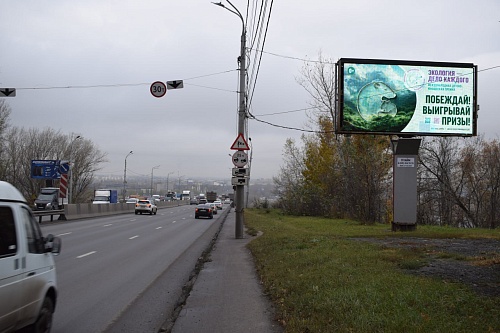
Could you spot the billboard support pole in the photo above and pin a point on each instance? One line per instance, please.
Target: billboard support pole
(404, 196)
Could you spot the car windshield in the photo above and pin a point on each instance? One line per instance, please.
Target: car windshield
(45, 196)
(144, 201)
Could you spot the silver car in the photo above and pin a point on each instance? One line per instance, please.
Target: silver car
(218, 203)
(132, 201)
(213, 206)
(146, 206)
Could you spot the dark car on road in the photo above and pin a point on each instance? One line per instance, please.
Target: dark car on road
(203, 210)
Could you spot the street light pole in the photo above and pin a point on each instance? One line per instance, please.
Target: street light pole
(70, 173)
(155, 167)
(168, 174)
(179, 183)
(240, 189)
(125, 176)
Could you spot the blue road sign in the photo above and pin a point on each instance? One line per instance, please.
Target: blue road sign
(45, 169)
(64, 167)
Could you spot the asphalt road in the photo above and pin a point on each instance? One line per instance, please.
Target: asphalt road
(124, 273)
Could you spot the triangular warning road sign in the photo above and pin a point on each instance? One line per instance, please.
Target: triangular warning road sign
(240, 143)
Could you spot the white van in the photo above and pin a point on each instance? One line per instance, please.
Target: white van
(27, 272)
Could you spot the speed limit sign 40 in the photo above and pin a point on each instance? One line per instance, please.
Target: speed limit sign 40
(158, 89)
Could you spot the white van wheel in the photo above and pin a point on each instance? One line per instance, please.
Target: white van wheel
(43, 323)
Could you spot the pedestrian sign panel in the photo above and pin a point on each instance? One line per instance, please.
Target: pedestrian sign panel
(240, 143)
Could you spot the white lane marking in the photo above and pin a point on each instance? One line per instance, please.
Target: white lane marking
(133, 237)
(183, 218)
(107, 225)
(159, 228)
(86, 254)
(174, 221)
(66, 233)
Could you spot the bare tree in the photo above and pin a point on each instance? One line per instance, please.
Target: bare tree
(480, 162)
(346, 176)
(5, 111)
(11, 145)
(491, 161)
(4, 122)
(459, 183)
(440, 159)
(289, 182)
(21, 146)
(318, 79)
(87, 159)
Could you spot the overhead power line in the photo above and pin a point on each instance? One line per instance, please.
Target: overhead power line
(294, 58)
(118, 85)
(260, 58)
(254, 117)
(291, 128)
(283, 112)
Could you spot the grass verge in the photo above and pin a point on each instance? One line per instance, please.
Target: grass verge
(320, 280)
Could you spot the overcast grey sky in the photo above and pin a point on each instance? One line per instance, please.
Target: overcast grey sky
(188, 132)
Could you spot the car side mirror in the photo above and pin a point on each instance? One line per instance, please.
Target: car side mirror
(53, 244)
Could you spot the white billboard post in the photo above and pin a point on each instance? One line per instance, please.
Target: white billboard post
(404, 198)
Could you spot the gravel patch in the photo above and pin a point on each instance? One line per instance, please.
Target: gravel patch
(473, 262)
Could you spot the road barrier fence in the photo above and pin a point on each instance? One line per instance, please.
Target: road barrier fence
(87, 210)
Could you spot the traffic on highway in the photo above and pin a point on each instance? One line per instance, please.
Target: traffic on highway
(110, 265)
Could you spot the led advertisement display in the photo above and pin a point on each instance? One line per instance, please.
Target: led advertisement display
(413, 98)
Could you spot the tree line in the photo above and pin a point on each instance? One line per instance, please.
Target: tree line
(340, 176)
(19, 146)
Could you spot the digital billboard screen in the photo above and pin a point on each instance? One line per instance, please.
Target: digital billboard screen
(395, 97)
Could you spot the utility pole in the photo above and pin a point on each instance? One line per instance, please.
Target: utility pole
(168, 189)
(155, 167)
(240, 189)
(125, 176)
